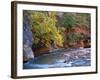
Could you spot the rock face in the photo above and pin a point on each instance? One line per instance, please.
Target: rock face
(27, 40)
(85, 40)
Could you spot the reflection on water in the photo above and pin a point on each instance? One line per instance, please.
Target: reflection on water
(61, 58)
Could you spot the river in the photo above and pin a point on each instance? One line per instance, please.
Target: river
(61, 58)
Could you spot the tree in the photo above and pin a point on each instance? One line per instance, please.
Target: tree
(83, 20)
(68, 21)
(44, 29)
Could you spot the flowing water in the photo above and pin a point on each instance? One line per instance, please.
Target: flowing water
(61, 58)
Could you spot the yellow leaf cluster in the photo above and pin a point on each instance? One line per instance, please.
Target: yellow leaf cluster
(44, 28)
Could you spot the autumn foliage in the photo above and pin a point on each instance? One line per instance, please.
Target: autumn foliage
(58, 29)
